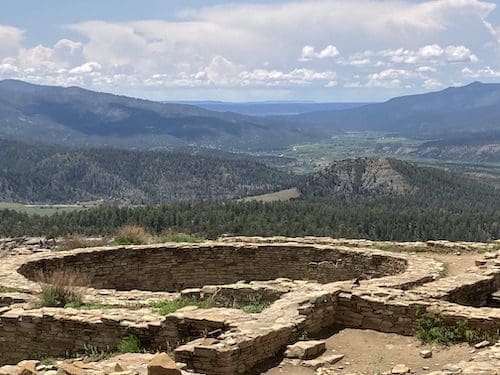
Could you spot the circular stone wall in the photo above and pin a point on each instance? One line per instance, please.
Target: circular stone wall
(176, 267)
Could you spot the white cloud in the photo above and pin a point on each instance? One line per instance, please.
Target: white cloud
(246, 45)
(426, 69)
(309, 53)
(486, 72)
(432, 84)
(430, 51)
(433, 53)
(460, 54)
(389, 78)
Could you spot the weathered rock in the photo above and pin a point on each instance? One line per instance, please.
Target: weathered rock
(482, 344)
(162, 364)
(28, 367)
(306, 349)
(400, 369)
(9, 370)
(426, 353)
(69, 369)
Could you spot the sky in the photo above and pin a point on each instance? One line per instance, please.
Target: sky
(321, 50)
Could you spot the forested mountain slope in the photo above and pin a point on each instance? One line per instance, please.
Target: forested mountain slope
(76, 117)
(50, 174)
(382, 178)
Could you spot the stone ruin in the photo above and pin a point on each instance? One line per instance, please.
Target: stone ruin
(308, 283)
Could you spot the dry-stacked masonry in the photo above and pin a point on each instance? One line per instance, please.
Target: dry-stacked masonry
(309, 284)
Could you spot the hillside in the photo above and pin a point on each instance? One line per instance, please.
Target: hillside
(76, 117)
(382, 178)
(49, 174)
(470, 110)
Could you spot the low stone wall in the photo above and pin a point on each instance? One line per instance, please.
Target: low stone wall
(394, 289)
(173, 268)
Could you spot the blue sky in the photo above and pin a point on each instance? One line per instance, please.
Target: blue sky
(324, 50)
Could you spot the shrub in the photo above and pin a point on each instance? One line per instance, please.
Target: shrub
(431, 329)
(130, 344)
(166, 307)
(61, 289)
(132, 235)
(174, 236)
(253, 306)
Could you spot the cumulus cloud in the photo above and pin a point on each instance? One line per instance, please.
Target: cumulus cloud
(430, 54)
(309, 53)
(432, 84)
(389, 78)
(287, 44)
(486, 72)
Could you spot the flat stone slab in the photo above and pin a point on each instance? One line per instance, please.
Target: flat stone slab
(306, 349)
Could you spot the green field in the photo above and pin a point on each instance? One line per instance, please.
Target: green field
(46, 210)
(279, 196)
(312, 156)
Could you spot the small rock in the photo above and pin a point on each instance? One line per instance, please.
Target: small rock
(162, 364)
(426, 368)
(400, 369)
(452, 369)
(482, 344)
(426, 354)
(69, 369)
(306, 349)
(119, 368)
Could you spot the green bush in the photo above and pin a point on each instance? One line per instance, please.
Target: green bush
(165, 307)
(170, 236)
(432, 329)
(130, 344)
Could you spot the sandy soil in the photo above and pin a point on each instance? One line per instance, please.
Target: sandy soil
(457, 264)
(371, 352)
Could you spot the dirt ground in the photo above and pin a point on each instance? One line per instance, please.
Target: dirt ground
(457, 264)
(371, 352)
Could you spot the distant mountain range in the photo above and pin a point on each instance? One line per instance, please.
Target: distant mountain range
(470, 110)
(31, 173)
(76, 117)
(271, 108)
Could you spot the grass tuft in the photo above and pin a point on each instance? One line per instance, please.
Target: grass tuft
(174, 236)
(132, 235)
(8, 289)
(165, 307)
(61, 289)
